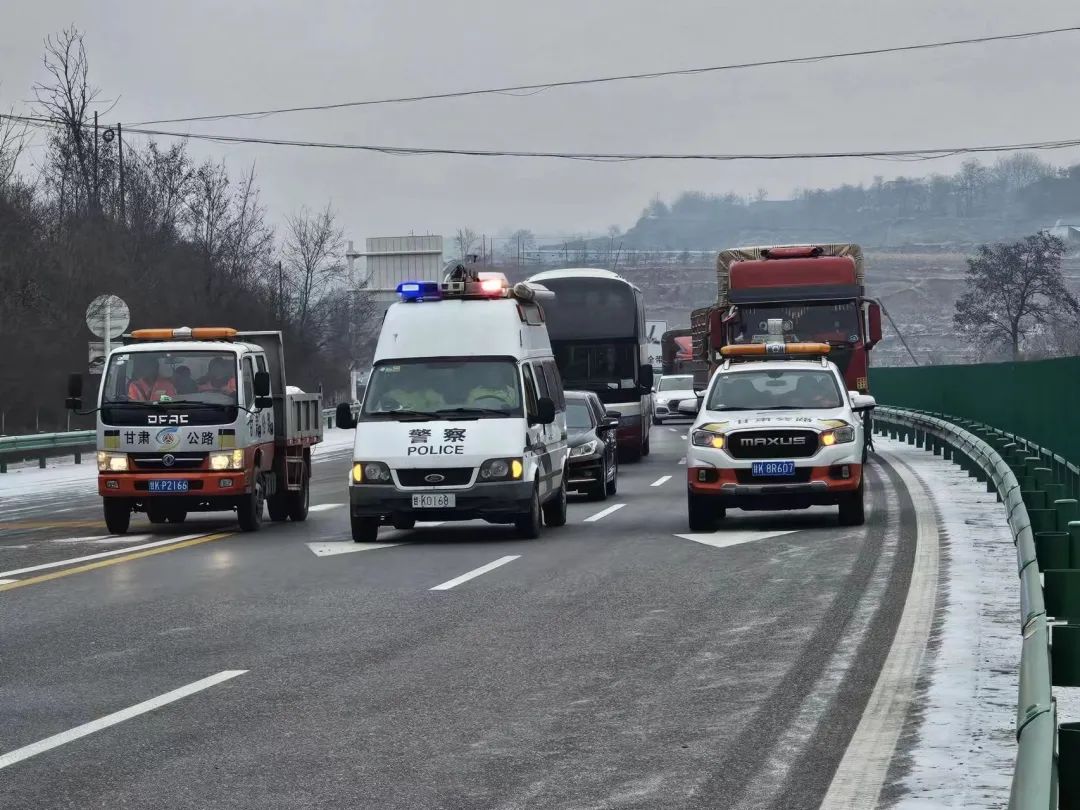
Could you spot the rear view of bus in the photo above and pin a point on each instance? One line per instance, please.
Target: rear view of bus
(597, 329)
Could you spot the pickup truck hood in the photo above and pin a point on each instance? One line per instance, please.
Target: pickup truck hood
(815, 419)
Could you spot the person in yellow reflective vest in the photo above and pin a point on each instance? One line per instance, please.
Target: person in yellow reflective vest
(492, 390)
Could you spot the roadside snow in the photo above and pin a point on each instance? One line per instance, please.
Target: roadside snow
(960, 746)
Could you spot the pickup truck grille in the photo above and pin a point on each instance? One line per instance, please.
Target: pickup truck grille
(764, 444)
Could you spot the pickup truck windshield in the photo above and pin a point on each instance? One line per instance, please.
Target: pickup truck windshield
(774, 390)
(473, 388)
(204, 377)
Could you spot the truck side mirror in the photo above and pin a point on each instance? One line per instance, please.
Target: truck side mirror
(646, 377)
(74, 391)
(343, 416)
(545, 411)
(873, 324)
(262, 383)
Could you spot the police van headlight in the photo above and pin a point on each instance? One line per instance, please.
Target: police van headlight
(586, 449)
(840, 435)
(370, 472)
(707, 438)
(112, 462)
(501, 469)
(228, 460)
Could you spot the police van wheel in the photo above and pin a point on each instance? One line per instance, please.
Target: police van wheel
(555, 508)
(249, 511)
(702, 513)
(364, 529)
(852, 510)
(404, 523)
(299, 501)
(117, 515)
(527, 524)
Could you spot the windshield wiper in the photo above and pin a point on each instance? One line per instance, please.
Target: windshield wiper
(733, 408)
(473, 411)
(404, 412)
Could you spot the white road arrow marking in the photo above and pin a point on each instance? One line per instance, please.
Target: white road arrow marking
(733, 538)
(332, 549)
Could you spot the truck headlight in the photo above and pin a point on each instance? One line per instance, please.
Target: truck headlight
(370, 472)
(840, 435)
(586, 449)
(707, 438)
(227, 460)
(501, 469)
(112, 462)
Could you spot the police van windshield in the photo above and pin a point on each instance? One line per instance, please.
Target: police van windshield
(473, 388)
(205, 377)
(774, 389)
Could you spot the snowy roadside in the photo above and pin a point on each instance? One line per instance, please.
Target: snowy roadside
(958, 749)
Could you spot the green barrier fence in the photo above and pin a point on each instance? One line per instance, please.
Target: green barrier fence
(1032, 399)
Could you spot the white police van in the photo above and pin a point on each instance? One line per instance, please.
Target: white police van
(464, 416)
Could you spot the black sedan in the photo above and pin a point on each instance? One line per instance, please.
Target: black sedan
(594, 460)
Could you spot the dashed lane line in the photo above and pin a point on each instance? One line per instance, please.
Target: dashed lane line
(603, 513)
(659, 482)
(325, 507)
(483, 569)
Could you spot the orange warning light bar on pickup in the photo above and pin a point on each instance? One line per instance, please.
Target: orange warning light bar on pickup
(765, 349)
(186, 333)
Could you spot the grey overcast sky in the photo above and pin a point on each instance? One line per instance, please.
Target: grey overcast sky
(169, 59)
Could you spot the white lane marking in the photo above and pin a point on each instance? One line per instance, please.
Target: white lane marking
(682, 460)
(325, 507)
(13, 548)
(861, 773)
(332, 549)
(603, 513)
(429, 524)
(6, 581)
(483, 569)
(659, 482)
(683, 436)
(104, 538)
(674, 430)
(64, 737)
(100, 555)
(732, 538)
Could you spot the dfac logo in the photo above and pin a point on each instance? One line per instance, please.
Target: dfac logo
(167, 419)
(167, 437)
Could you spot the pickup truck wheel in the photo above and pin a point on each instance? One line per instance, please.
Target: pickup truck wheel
(299, 501)
(852, 509)
(555, 508)
(702, 513)
(249, 511)
(117, 515)
(364, 529)
(527, 524)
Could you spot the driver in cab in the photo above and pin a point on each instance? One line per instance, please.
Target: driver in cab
(490, 391)
(147, 384)
(220, 378)
(411, 393)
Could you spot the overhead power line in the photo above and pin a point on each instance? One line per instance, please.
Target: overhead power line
(925, 153)
(530, 89)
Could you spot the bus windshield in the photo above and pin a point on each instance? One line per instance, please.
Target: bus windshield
(607, 368)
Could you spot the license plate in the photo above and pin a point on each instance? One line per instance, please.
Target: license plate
(168, 485)
(773, 468)
(434, 501)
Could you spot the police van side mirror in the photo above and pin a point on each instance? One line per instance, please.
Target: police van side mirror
(343, 416)
(74, 391)
(545, 411)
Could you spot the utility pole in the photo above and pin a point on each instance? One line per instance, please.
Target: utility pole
(120, 156)
(280, 294)
(97, 175)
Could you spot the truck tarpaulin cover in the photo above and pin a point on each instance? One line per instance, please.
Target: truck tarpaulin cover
(726, 258)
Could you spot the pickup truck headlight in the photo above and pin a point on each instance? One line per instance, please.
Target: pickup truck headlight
(840, 435)
(370, 472)
(707, 438)
(227, 460)
(112, 462)
(586, 449)
(501, 469)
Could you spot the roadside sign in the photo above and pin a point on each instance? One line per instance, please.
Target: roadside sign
(108, 316)
(654, 330)
(96, 356)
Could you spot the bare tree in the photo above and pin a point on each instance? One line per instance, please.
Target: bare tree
(1014, 290)
(465, 240)
(12, 143)
(311, 257)
(207, 217)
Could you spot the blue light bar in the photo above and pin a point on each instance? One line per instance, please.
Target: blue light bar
(418, 290)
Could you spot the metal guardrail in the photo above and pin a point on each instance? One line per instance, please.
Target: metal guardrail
(1011, 467)
(43, 446)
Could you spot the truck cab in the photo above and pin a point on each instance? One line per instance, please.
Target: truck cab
(200, 420)
(777, 429)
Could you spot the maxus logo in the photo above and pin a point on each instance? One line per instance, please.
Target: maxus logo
(774, 441)
(167, 419)
(168, 437)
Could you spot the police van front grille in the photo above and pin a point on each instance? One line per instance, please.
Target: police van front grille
(773, 444)
(450, 476)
